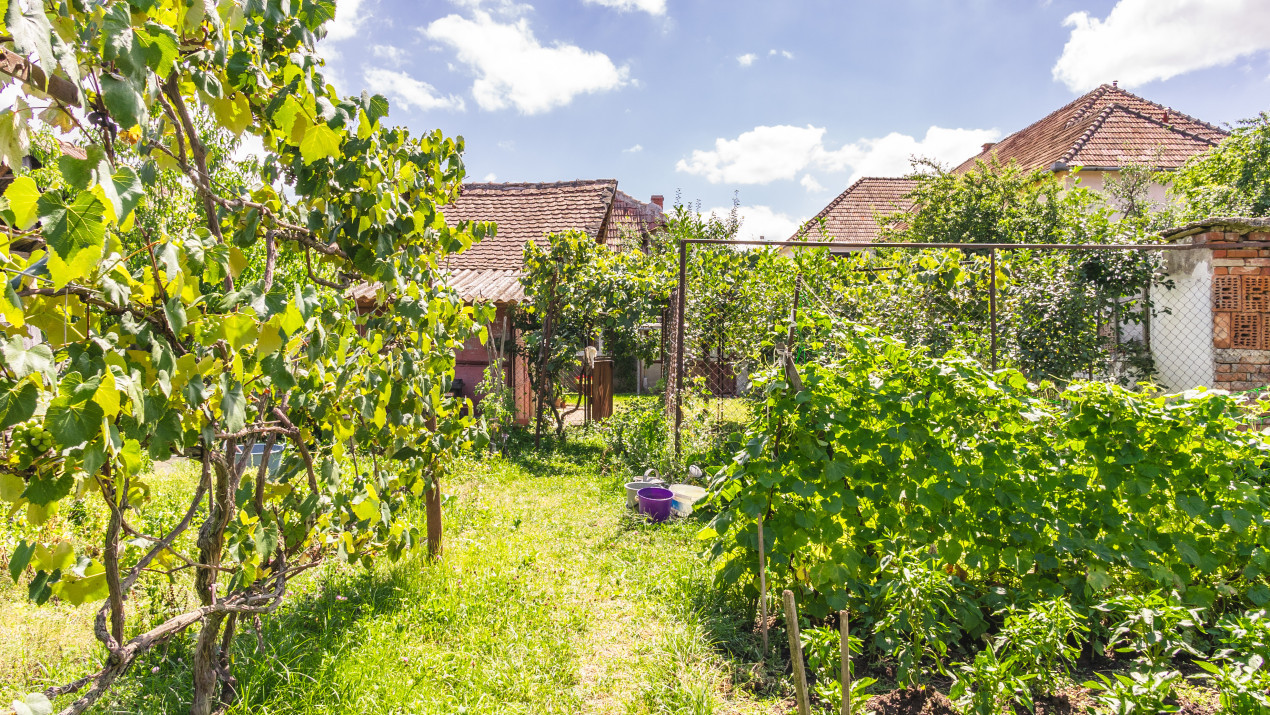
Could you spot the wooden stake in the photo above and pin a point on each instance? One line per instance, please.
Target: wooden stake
(796, 654)
(762, 586)
(846, 662)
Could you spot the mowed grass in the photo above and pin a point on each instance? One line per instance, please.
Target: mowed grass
(550, 598)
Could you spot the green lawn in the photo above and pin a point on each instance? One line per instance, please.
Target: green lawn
(551, 598)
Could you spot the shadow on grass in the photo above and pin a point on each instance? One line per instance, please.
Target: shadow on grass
(299, 642)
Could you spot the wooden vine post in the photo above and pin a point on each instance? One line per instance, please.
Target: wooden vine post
(845, 630)
(762, 586)
(796, 654)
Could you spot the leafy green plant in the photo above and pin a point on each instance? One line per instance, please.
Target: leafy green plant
(1138, 693)
(991, 685)
(131, 334)
(823, 650)
(918, 621)
(1242, 686)
(1232, 179)
(1245, 634)
(1155, 626)
(1011, 483)
(1045, 638)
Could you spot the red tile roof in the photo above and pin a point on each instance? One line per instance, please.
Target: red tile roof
(490, 270)
(853, 215)
(526, 212)
(1106, 128)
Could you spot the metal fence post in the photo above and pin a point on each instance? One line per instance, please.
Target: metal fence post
(992, 302)
(679, 345)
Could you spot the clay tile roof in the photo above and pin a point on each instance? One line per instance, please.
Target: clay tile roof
(1106, 128)
(852, 216)
(525, 212)
(492, 284)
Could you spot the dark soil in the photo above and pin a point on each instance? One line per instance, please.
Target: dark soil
(912, 701)
(1065, 702)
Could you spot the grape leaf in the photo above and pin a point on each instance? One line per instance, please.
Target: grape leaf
(23, 195)
(31, 31)
(23, 361)
(320, 142)
(123, 100)
(17, 403)
(73, 421)
(75, 232)
(43, 489)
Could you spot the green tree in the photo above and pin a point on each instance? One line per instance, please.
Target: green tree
(998, 203)
(1231, 180)
(575, 292)
(132, 330)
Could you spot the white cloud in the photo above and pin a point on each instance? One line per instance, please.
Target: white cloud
(652, 7)
(759, 156)
(783, 53)
(394, 56)
(759, 222)
(514, 69)
(634, 150)
(491, 178)
(809, 182)
(350, 15)
(767, 154)
(408, 91)
(746, 59)
(1145, 40)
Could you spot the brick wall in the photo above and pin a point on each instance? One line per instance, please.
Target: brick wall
(1241, 310)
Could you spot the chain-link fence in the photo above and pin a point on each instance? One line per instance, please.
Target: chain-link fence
(1172, 316)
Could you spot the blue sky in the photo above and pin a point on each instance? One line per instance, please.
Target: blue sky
(784, 103)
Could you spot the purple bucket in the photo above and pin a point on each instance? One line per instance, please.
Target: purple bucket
(655, 502)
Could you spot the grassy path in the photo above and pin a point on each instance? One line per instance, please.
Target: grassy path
(550, 599)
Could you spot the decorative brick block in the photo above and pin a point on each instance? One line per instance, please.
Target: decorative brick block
(1245, 330)
(1256, 293)
(1226, 293)
(1221, 330)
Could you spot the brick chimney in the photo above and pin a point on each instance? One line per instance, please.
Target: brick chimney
(659, 201)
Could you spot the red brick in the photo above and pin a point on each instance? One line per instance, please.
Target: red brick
(1241, 253)
(1234, 237)
(1211, 237)
(1237, 376)
(1258, 236)
(1219, 253)
(1223, 367)
(1220, 271)
(1245, 271)
(1257, 262)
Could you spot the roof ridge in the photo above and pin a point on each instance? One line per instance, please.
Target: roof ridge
(573, 183)
(1171, 110)
(1094, 125)
(1091, 98)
